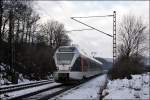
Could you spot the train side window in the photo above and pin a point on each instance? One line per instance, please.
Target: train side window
(91, 66)
(77, 64)
(85, 64)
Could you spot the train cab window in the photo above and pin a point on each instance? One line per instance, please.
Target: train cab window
(77, 64)
(64, 58)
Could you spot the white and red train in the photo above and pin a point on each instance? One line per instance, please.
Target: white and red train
(72, 64)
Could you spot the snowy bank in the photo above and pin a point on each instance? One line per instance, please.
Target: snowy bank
(136, 88)
(5, 77)
(89, 90)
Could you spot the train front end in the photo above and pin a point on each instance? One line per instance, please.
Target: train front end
(64, 58)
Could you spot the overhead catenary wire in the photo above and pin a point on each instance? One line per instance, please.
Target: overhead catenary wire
(79, 30)
(94, 16)
(91, 27)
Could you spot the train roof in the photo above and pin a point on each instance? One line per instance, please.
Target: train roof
(81, 51)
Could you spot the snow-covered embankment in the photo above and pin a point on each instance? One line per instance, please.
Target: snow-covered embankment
(135, 88)
(88, 90)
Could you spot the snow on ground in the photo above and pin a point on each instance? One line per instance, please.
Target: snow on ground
(89, 90)
(136, 88)
(4, 77)
(4, 82)
(22, 83)
(26, 91)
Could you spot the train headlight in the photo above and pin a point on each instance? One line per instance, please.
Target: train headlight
(69, 68)
(57, 68)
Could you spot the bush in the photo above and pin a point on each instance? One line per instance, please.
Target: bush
(126, 66)
(36, 59)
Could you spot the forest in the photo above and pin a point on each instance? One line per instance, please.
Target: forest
(26, 45)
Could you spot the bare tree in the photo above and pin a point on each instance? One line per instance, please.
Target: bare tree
(21, 39)
(132, 36)
(1, 16)
(56, 34)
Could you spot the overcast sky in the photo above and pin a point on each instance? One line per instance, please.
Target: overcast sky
(91, 41)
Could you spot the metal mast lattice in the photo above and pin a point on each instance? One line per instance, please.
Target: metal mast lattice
(114, 37)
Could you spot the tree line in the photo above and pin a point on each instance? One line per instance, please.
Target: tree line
(26, 45)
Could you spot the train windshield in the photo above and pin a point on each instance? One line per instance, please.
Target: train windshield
(64, 58)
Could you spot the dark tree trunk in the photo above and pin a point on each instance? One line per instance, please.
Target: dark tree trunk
(1, 16)
(10, 37)
(17, 32)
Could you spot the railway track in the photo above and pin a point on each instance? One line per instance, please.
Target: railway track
(50, 91)
(54, 92)
(21, 94)
(23, 86)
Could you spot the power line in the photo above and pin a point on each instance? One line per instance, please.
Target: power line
(94, 16)
(91, 27)
(79, 30)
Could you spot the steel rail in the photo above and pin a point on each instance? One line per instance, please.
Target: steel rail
(56, 95)
(36, 95)
(24, 96)
(23, 86)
